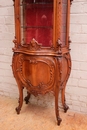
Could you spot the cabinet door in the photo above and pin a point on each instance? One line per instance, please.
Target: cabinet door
(38, 21)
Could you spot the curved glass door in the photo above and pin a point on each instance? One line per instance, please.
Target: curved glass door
(38, 21)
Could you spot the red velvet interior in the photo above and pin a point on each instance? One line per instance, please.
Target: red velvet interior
(39, 22)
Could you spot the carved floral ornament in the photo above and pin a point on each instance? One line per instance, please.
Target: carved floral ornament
(34, 45)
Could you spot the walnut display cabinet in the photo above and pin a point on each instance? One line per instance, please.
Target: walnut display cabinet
(41, 54)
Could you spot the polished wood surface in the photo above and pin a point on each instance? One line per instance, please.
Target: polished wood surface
(42, 69)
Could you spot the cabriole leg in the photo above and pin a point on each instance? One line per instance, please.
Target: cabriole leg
(18, 109)
(68, 59)
(56, 106)
(64, 100)
(27, 98)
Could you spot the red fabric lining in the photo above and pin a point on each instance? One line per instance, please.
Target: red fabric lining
(39, 20)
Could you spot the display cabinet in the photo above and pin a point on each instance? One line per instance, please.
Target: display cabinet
(41, 54)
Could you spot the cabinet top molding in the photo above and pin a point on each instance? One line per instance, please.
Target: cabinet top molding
(70, 1)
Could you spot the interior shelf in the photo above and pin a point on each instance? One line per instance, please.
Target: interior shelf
(40, 3)
(45, 27)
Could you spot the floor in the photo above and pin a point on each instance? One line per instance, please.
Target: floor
(34, 117)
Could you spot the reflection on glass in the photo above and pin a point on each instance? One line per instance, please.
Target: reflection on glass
(38, 21)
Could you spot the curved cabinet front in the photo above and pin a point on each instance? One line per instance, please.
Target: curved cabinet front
(37, 73)
(40, 74)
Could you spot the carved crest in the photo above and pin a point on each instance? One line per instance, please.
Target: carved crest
(34, 45)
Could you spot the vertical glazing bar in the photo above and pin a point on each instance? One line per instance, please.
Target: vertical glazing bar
(58, 20)
(17, 22)
(24, 21)
(54, 23)
(68, 23)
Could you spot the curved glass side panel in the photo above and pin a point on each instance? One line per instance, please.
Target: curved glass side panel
(64, 22)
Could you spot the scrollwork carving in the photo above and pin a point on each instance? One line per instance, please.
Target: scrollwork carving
(60, 70)
(41, 87)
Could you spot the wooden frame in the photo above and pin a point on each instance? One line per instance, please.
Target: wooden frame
(42, 69)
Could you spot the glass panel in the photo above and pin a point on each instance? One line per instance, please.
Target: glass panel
(64, 22)
(38, 21)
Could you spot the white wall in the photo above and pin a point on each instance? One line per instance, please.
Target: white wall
(7, 82)
(77, 86)
(76, 90)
